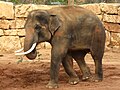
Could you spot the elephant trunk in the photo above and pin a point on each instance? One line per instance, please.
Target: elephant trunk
(30, 45)
(30, 52)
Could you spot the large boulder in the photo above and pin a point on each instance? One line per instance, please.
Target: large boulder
(11, 32)
(4, 24)
(93, 7)
(23, 10)
(111, 18)
(6, 10)
(20, 22)
(20, 32)
(112, 27)
(9, 44)
(115, 39)
(110, 8)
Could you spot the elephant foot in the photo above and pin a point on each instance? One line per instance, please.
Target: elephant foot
(86, 77)
(52, 85)
(98, 79)
(74, 81)
(95, 79)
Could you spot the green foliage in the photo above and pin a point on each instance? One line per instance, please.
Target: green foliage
(26, 1)
(57, 1)
(15, 1)
(62, 2)
(38, 1)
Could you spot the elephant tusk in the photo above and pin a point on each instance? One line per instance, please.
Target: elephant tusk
(19, 50)
(27, 52)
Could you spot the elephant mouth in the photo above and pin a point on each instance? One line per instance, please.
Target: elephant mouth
(31, 53)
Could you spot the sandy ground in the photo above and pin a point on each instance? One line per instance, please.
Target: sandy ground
(34, 75)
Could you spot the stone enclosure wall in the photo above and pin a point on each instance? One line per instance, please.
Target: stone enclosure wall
(12, 20)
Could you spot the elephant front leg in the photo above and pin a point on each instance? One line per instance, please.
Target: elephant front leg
(56, 57)
(68, 66)
(54, 70)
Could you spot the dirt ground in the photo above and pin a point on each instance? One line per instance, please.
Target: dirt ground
(34, 75)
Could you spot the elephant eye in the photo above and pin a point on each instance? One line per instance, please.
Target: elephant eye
(37, 27)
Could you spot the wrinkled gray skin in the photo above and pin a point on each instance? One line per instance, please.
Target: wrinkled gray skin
(73, 32)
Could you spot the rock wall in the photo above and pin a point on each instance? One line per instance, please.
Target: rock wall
(12, 20)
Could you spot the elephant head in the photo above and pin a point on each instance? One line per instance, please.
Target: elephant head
(39, 27)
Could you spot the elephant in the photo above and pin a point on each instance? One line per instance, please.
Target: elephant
(72, 31)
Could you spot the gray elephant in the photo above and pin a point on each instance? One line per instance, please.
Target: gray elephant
(72, 32)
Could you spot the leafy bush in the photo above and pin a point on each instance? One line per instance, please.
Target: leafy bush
(62, 2)
(38, 1)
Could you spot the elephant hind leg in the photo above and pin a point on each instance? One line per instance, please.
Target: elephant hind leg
(68, 66)
(98, 67)
(97, 55)
(97, 51)
(79, 58)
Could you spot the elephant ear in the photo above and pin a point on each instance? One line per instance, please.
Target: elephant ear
(54, 23)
